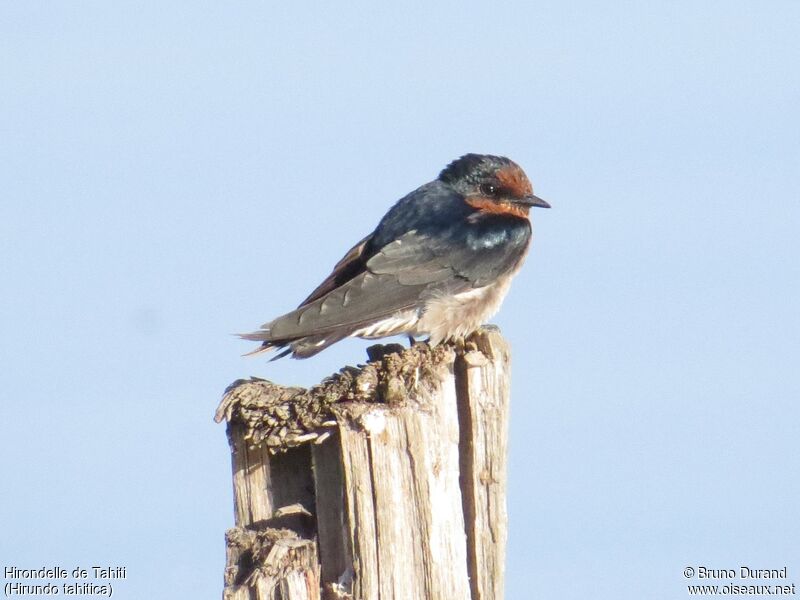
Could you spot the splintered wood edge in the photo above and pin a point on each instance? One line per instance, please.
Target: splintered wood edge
(273, 554)
(281, 417)
(483, 381)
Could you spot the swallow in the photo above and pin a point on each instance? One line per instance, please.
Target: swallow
(439, 264)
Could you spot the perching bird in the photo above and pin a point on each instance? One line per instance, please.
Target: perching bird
(439, 264)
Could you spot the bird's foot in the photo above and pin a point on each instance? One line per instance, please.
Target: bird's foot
(459, 344)
(378, 351)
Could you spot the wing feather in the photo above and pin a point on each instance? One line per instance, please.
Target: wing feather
(348, 267)
(401, 276)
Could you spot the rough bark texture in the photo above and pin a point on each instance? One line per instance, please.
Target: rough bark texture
(386, 481)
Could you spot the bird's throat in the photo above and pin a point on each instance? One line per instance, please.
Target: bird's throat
(498, 207)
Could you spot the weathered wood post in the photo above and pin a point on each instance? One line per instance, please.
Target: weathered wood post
(385, 482)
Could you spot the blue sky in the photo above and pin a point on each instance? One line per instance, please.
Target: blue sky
(175, 172)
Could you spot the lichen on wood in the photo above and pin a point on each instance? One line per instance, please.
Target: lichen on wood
(283, 417)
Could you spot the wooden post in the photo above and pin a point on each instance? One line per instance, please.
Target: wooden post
(386, 481)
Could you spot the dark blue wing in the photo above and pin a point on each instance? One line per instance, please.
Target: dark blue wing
(430, 243)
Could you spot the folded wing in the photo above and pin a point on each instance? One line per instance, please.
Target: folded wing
(366, 289)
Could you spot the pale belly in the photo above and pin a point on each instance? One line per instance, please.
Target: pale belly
(444, 317)
(459, 315)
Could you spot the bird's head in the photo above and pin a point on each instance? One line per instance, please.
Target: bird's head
(492, 184)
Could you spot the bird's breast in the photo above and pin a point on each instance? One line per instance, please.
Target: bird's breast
(458, 315)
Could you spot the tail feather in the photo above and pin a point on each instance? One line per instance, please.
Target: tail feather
(281, 354)
(298, 347)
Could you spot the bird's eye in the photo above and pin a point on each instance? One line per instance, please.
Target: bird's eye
(489, 189)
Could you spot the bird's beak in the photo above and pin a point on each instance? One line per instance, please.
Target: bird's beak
(531, 200)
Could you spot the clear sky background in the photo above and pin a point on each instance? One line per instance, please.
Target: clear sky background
(175, 172)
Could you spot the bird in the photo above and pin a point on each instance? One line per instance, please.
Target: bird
(438, 264)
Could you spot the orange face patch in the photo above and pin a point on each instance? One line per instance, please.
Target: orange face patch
(502, 207)
(513, 179)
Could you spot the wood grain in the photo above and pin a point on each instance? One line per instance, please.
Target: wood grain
(386, 481)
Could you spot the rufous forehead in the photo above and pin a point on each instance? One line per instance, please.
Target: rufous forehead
(514, 180)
